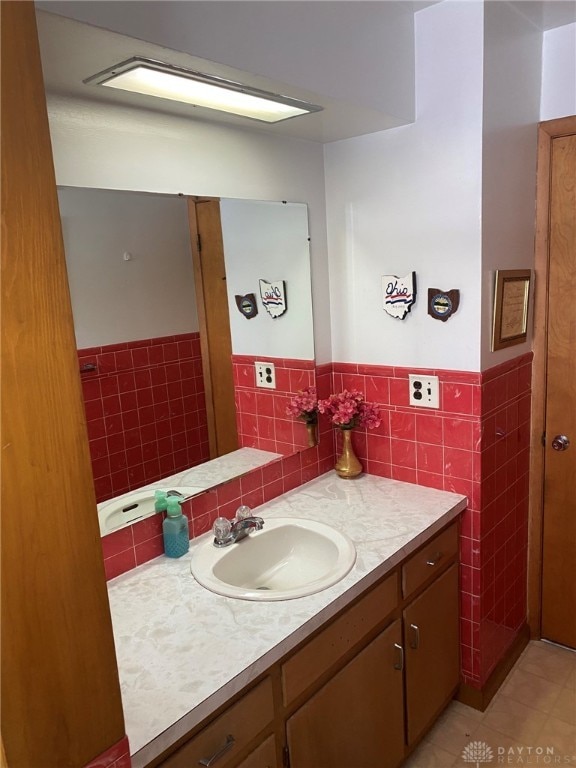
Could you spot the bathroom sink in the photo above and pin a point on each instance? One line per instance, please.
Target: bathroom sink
(132, 506)
(288, 558)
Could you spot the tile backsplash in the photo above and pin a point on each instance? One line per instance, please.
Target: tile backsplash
(261, 413)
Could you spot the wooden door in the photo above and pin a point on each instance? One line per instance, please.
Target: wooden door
(356, 719)
(431, 643)
(60, 692)
(213, 317)
(559, 518)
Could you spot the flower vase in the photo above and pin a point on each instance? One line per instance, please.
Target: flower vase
(311, 428)
(348, 465)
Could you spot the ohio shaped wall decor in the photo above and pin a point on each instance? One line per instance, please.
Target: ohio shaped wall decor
(442, 304)
(399, 294)
(273, 297)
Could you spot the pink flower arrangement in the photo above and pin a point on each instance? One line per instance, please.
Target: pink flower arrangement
(304, 405)
(349, 409)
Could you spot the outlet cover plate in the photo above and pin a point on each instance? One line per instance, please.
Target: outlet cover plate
(424, 391)
(265, 375)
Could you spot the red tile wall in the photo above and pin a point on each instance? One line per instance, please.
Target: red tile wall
(117, 756)
(503, 518)
(477, 443)
(145, 410)
(261, 413)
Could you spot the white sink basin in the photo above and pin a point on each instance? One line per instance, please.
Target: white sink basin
(288, 558)
(134, 505)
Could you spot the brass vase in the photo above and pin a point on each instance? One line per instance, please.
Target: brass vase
(348, 465)
(312, 438)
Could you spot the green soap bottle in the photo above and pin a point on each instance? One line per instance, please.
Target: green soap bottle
(175, 530)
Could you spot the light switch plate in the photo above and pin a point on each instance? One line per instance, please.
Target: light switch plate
(265, 375)
(424, 391)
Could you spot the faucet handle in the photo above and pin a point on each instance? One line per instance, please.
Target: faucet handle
(243, 512)
(221, 529)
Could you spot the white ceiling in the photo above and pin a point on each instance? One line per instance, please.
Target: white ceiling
(355, 58)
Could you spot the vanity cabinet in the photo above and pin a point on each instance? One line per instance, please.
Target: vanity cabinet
(355, 719)
(431, 630)
(220, 743)
(431, 641)
(362, 690)
(373, 711)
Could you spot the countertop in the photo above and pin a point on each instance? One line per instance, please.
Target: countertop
(183, 651)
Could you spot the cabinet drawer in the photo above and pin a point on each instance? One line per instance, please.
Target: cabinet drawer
(308, 664)
(235, 727)
(429, 560)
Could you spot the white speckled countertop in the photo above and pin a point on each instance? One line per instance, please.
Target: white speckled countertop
(183, 651)
(220, 470)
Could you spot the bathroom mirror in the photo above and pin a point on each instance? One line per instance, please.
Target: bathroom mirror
(132, 277)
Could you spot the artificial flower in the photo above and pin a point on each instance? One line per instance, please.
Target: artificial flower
(349, 409)
(304, 405)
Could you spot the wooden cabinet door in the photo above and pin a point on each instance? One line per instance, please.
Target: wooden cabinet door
(263, 756)
(356, 719)
(431, 646)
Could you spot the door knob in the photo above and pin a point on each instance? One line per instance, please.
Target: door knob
(560, 443)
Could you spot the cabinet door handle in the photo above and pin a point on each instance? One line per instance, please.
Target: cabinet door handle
(208, 761)
(399, 663)
(435, 559)
(415, 640)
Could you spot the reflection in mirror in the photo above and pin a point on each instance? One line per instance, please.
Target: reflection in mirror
(140, 335)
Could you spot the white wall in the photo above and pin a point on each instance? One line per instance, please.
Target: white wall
(268, 241)
(410, 199)
(559, 73)
(121, 148)
(512, 75)
(114, 300)
(403, 199)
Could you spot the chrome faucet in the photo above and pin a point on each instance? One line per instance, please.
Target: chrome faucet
(228, 532)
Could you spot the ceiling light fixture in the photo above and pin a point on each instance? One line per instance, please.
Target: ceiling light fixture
(153, 78)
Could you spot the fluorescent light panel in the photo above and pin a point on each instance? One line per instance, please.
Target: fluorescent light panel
(153, 78)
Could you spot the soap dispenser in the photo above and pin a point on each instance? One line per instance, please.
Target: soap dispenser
(175, 530)
(160, 501)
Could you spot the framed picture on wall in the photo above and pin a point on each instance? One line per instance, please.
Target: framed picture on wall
(511, 293)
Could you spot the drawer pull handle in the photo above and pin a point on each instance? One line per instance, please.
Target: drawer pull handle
(415, 640)
(208, 761)
(399, 663)
(435, 559)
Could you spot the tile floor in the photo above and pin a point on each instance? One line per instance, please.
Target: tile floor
(530, 722)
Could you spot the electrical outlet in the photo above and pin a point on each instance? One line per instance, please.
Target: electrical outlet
(265, 375)
(424, 391)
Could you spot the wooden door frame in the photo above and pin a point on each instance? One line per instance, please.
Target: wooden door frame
(60, 689)
(547, 132)
(220, 419)
(200, 305)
